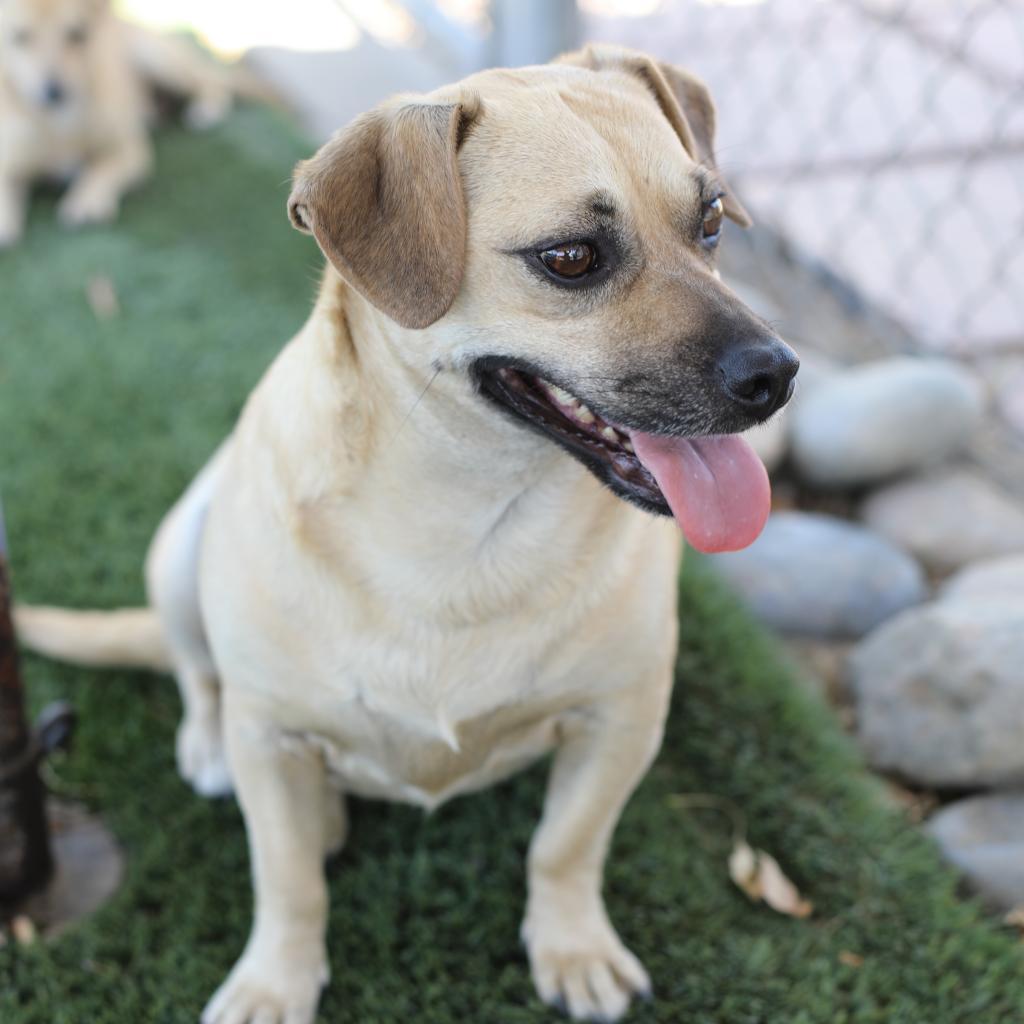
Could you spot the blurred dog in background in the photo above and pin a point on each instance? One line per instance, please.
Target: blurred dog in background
(77, 91)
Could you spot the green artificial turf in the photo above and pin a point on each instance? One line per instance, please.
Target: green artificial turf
(101, 425)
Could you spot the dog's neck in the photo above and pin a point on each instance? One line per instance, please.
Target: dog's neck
(414, 406)
(422, 473)
(425, 415)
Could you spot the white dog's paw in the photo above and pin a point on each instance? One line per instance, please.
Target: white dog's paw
(281, 989)
(87, 205)
(201, 759)
(579, 964)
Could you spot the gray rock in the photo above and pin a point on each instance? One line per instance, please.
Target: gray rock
(1011, 403)
(1004, 375)
(994, 578)
(984, 837)
(814, 575)
(939, 693)
(948, 518)
(880, 419)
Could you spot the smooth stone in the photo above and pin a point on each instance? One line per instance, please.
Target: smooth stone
(984, 837)
(1011, 401)
(1004, 376)
(948, 518)
(940, 693)
(993, 578)
(814, 575)
(884, 418)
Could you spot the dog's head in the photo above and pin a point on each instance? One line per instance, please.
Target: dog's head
(556, 229)
(45, 48)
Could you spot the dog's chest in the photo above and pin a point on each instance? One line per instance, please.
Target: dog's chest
(422, 718)
(420, 710)
(423, 665)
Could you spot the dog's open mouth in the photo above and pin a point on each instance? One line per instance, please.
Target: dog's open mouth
(716, 487)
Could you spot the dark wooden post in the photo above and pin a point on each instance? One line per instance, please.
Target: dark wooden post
(26, 862)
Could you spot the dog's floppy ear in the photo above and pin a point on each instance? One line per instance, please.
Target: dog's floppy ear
(684, 99)
(384, 200)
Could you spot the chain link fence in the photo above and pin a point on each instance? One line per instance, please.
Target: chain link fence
(881, 141)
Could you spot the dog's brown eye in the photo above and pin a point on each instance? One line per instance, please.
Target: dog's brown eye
(76, 35)
(713, 214)
(570, 260)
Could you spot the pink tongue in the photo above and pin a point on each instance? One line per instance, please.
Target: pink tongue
(717, 487)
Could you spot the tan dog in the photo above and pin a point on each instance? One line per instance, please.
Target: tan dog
(75, 101)
(410, 571)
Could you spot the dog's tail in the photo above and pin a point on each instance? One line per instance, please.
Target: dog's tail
(124, 638)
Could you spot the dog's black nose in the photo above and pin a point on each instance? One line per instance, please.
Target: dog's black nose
(759, 376)
(54, 93)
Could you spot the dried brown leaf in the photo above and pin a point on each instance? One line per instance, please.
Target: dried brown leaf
(743, 869)
(851, 959)
(777, 890)
(1015, 917)
(758, 874)
(23, 929)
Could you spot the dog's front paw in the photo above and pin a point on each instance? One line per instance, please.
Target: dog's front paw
(200, 753)
(87, 205)
(579, 964)
(270, 988)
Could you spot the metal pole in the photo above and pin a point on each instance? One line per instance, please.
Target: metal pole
(26, 861)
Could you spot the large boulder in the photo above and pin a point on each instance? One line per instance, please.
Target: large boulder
(1001, 578)
(880, 419)
(939, 693)
(1010, 395)
(948, 518)
(815, 575)
(984, 837)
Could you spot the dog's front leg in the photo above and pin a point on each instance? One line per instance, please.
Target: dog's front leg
(283, 789)
(576, 958)
(13, 208)
(95, 195)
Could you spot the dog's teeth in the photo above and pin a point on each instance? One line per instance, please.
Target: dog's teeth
(628, 445)
(560, 396)
(609, 434)
(583, 414)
